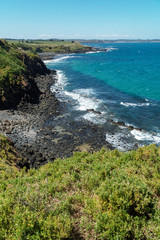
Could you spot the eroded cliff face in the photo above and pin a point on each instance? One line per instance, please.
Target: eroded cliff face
(34, 65)
(18, 70)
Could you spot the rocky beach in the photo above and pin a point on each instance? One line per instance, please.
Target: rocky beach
(45, 130)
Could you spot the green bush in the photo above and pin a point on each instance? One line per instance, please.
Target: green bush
(105, 195)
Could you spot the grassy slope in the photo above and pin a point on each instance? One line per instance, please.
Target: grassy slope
(105, 195)
(49, 46)
(12, 69)
(17, 68)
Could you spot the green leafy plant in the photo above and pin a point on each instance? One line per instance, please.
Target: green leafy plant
(105, 195)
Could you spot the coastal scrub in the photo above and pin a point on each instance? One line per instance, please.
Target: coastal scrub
(104, 195)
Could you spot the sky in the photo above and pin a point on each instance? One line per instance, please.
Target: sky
(80, 19)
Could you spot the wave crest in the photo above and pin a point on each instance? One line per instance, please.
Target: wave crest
(57, 59)
(127, 104)
(145, 136)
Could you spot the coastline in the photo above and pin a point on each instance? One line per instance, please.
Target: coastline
(44, 131)
(49, 128)
(52, 55)
(46, 56)
(123, 131)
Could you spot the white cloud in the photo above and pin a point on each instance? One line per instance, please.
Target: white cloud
(114, 36)
(45, 35)
(83, 36)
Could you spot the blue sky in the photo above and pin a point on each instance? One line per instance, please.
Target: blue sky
(89, 19)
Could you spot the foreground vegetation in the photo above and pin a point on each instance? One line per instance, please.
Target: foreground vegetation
(105, 195)
(40, 46)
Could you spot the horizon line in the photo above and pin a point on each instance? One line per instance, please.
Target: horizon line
(82, 39)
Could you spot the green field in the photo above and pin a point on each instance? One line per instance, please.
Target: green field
(105, 195)
(40, 46)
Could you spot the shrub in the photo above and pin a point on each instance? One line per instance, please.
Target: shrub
(105, 195)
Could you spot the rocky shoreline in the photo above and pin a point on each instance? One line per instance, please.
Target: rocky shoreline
(45, 130)
(42, 128)
(52, 55)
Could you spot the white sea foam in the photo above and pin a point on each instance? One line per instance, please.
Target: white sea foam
(107, 50)
(111, 49)
(61, 82)
(94, 118)
(48, 61)
(145, 136)
(91, 52)
(84, 97)
(84, 100)
(62, 58)
(117, 140)
(87, 92)
(127, 104)
(57, 59)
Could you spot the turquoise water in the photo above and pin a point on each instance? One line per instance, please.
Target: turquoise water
(132, 68)
(122, 83)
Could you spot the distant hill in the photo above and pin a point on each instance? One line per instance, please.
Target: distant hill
(120, 41)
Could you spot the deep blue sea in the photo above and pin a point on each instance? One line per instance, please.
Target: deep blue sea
(122, 83)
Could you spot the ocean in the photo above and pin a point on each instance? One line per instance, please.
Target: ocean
(121, 85)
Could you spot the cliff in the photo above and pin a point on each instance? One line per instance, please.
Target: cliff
(17, 72)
